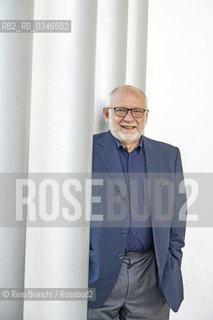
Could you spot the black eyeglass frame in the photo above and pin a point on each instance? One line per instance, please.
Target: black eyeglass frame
(127, 110)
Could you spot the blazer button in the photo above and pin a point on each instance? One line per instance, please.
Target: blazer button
(121, 256)
(124, 233)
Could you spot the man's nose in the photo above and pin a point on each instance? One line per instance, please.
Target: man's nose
(128, 116)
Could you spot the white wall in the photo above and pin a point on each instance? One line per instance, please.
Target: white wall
(180, 96)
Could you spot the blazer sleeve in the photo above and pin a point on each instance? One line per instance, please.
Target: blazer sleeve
(178, 225)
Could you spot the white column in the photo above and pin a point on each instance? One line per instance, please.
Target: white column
(61, 141)
(137, 43)
(15, 85)
(110, 53)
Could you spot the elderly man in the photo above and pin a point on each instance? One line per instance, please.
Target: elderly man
(135, 261)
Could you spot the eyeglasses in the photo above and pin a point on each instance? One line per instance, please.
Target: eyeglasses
(122, 112)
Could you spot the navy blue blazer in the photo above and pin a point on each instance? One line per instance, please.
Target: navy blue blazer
(107, 242)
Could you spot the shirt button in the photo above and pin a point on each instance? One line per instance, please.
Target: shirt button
(124, 233)
(120, 255)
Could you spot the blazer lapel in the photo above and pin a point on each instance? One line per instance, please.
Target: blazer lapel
(151, 155)
(109, 155)
(152, 168)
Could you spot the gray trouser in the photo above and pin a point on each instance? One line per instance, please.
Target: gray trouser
(136, 295)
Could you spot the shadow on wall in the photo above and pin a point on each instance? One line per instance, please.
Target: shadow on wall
(99, 123)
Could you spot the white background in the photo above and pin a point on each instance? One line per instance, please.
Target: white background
(180, 95)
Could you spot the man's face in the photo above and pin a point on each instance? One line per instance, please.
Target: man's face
(128, 128)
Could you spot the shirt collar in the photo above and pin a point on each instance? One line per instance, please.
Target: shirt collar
(138, 148)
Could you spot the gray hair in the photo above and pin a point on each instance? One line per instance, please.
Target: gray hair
(127, 87)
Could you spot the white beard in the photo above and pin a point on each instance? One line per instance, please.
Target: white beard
(122, 137)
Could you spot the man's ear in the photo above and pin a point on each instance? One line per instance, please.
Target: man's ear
(106, 114)
(147, 115)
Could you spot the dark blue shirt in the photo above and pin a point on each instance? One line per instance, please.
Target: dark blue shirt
(139, 236)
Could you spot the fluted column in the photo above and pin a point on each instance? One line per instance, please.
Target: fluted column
(61, 141)
(111, 53)
(137, 43)
(15, 86)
